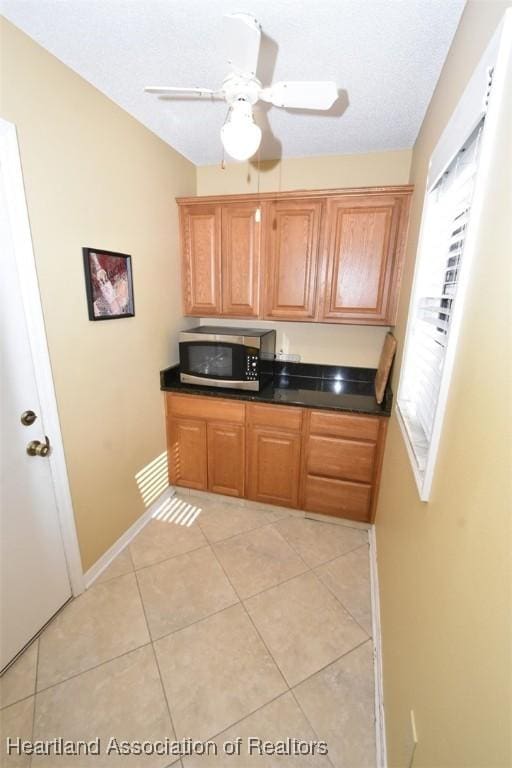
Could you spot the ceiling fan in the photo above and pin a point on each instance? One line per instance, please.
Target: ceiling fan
(241, 89)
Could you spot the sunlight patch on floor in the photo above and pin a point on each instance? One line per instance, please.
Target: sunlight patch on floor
(177, 511)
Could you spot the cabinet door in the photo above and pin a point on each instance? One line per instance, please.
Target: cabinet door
(292, 267)
(186, 450)
(362, 268)
(226, 458)
(241, 251)
(273, 466)
(200, 235)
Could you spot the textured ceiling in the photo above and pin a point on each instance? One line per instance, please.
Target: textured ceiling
(385, 56)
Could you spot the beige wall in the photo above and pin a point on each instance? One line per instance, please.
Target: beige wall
(324, 172)
(444, 567)
(320, 342)
(315, 342)
(96, 177)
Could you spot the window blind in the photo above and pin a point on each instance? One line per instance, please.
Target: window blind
(446, 223)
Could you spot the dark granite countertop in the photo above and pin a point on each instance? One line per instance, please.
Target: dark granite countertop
(329, 387)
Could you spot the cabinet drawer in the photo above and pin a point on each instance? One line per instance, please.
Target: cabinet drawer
(344, 425)
(278, 416)
(341, 459)
(337, 497)
(209, 408)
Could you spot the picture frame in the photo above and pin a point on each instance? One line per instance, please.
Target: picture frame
(108, 284)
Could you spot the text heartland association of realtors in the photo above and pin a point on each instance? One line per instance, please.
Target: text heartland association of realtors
(252, 745)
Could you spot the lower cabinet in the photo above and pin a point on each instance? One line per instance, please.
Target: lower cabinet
(226, 458)
(320, 461)
(274, 466)
(340, 498)
(341, 464)
(186, 441)
(206, 443)
(274, 441)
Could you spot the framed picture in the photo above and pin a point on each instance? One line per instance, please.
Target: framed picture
(108, 284)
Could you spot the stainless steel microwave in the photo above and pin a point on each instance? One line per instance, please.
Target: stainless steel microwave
(219, 356)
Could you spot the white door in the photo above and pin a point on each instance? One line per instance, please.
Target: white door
(34, 579)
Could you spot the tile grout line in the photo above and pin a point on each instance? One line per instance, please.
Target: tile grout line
(166, 559)
(342, 604)
(197, 621)
(89, 669)
(309, 569)
(209, 542)
(240, 600)
(243, 503)
(166, 700)
(127, 549)
(245, 717)
(152, 641)
(23, 698)
(240, 533)
(289, 687)
(278, 584)
(308, 721)
(164, 692)
(32, 732)
(253, 624)
(212, 544)
(330, 663)
(330, 560)
(18, 701)
(293, 689)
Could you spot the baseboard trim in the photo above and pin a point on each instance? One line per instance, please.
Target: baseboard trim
(99, 566)
(380, 723)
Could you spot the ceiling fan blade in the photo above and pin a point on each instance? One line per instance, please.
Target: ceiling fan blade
(242, 42)
(301, 95)
(171, 91)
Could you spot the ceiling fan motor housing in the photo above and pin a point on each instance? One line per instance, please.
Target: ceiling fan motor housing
(239, 88)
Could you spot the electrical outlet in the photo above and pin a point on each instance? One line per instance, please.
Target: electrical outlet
(287, 358)
(412, 741)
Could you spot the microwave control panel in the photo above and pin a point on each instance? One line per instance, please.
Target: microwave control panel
(251, 368)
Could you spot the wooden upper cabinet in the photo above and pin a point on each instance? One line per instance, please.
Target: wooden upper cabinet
(363, 258)
(292, 259)
(200, 237)
(330, 256)
(241, 253)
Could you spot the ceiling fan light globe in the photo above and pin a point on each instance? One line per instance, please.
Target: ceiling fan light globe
(240, 139)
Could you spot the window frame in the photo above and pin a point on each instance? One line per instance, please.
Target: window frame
(476, 102)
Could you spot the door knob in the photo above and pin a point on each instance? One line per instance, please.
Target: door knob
(36, 448)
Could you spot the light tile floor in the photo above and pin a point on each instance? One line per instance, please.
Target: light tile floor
(252, 622)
